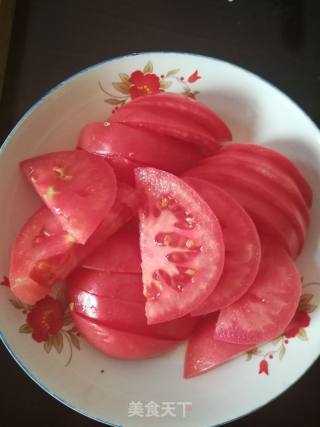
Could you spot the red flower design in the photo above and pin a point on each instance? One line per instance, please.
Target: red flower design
(5, 282)
(264, 367)
(194, 77)
(143, 84)
(46, 318)
(301, 320)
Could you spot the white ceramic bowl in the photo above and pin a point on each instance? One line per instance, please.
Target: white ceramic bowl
(110, 390)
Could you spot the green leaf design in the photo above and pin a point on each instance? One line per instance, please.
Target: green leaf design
(172, 72)
(310, 308)
(17, 304)
(302, 334)
(282, 351)
(304, 301)
(248, 356)
(72, 330)
(75, 340)
(121, 87)
(124, 77)
(57, 342)
(48, 344)
(113, 101)
(277, 340)
(25, 329)
(164, 84)
(67, 319)
(148, 68)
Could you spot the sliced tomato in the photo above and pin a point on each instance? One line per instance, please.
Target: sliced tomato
(190, 108)
(266, 157)
(242, 247)
(267, 217)
(44, 253)
(271, 175)
(118, 254)
(265, 311)
(78, 187)
(181, 245)
(118, 302)
(270, 185)
(142, 145)
(205, 352)
(183, 123)
(121, 344)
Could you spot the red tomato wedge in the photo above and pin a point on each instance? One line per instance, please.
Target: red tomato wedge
(190, 108)
(270, 174)
(242, 247)
(119, 306)
(265, 311)
(181, 246)
(175, 116)
(43, 252)
(267, 217)
(273, 186)
(268, 157)
(142, 145)
(204, 352)
(78, 187)
(121, 344)
(118, 254)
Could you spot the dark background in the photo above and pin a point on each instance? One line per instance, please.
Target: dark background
(52, 39)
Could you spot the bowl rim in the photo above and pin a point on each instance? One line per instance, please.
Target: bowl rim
(34, 107)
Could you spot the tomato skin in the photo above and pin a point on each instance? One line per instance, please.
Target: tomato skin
(78, 187)
(117, 301)
(242, 247)
(176, 272)
(43, 252)
(139, 145)
(264, 312)
(120, 344)
(268, 156)
(124, 168)
(205, 352)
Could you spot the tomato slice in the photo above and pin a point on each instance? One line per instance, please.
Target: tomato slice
(242, 247)
(192, 110)
(181, 245)
(121, 344)
(205, 352)
(142, 145)
(43, 252)
(184, 123)
(268, 157)
(268, 184)
(270, 174)
(265, 311)
(267, 217)
(119, 303)
(118, 254)
(79, 188)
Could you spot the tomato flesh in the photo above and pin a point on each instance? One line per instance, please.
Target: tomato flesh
(118, 254)
(265, 311)
(78, 187)
(205, 352)
(121, 344)
(140, 145)
(181, 246)
(242, 247)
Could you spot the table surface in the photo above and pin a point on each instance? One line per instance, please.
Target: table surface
(51, 40)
